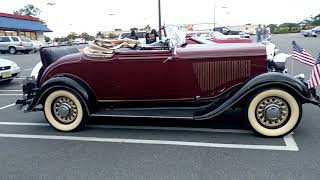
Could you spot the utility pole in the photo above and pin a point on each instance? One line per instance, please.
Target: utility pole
(159, 11)
(214, 14)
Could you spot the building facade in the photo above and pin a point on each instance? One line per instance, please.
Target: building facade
(15, 25)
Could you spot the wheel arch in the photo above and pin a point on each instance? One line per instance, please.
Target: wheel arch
(70, 83)
(263, 81)
(11, 47)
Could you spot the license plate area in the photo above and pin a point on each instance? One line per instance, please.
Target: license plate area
(6, 74)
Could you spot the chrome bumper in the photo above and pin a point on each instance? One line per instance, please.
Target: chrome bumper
(315, 97)
(29, 92)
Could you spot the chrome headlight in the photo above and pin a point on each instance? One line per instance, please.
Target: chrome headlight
(280, 61)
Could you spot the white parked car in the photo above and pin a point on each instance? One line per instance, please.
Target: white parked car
(312, 32)
(37, 45)
(8, 70)
(78, 41)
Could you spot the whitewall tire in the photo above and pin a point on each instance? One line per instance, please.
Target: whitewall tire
(273, 112)
(64, 111)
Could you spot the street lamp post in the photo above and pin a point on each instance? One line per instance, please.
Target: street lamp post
(159, 11)
(214, 13)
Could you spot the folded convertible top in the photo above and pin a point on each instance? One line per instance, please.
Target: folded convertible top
(107, 48)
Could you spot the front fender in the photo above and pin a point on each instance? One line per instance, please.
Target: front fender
(266, 80)
(62, 82)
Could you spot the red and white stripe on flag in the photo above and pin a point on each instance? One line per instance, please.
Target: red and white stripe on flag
(304, 57)
(315, 76)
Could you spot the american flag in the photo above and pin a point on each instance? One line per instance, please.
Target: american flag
(315, 75)
(302, 55)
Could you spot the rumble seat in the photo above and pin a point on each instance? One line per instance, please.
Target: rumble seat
(52, 54)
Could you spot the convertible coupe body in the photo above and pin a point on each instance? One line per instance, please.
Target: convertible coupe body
(194, 82)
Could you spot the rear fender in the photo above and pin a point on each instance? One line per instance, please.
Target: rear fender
(70, 83)
(263, 81)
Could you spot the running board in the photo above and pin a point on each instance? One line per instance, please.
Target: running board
(147, 113)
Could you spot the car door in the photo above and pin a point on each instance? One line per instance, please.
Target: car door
(4, 43)
(142, 75)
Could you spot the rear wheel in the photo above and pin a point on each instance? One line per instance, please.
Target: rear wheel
(12, 50)
(64, 111)
(273, 112)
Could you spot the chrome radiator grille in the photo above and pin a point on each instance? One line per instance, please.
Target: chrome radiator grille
(213, 74)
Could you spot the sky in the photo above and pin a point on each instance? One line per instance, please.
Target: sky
(104, 15)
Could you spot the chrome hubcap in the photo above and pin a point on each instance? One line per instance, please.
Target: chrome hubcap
(272, 112)
(65, 110)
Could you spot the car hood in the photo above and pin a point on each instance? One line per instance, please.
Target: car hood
(5, 62)
(221, 50)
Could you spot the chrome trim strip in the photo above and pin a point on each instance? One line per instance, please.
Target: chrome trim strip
(135, 116)
(146, 100)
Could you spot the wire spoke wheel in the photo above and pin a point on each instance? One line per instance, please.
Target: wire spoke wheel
(64, 110)
(272, 112)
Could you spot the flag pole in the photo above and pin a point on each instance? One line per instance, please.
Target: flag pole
(292, 66)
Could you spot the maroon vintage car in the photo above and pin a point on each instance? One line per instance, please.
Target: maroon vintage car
(171, 80)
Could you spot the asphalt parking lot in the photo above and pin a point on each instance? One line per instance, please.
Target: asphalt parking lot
(221, 148)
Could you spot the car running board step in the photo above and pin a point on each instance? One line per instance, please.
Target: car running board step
(147, 113)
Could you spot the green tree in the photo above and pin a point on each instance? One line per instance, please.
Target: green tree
(47, 39)
(72, 36)
(28, 10)
(86, 36)
(272, 27)
(136, 29)
(100, 34)
(112, 35)
(316, 20)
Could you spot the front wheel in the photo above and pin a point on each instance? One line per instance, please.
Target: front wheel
(64, 111)
(273, 112)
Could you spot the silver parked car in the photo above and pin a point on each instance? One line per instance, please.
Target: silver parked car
(312, 32)
(14, 44)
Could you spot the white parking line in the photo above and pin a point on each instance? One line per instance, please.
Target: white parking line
(143, 141)
(28, 69)
(9, 90)
(7, 106)
(11, 94)
(289, 140)
(236, 131)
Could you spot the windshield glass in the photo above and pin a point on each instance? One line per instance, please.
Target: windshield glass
(176, 36)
